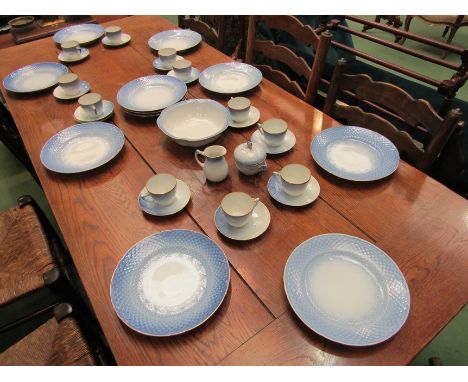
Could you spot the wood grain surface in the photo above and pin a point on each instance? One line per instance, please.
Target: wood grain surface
(421, 224)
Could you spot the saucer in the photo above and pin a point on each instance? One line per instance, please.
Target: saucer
(257, 224)
(60, 94)
(193, 77)
(159, 65)
(277, 192)
(181, 199)
(288, 143)
(254, 117)
(123, 40)
(84, 52)
(107, 110)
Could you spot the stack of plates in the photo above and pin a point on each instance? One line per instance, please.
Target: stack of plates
(148, 96)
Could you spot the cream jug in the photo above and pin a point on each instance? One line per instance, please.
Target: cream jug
(215, 165)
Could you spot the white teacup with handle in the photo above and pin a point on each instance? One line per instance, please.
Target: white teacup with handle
(273, 131)
(238, 207)
(161, 188)
(294, 178)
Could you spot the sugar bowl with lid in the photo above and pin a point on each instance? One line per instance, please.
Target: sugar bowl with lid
(250, 158)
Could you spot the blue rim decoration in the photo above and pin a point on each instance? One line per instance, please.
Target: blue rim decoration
(66, 34)
(205, 79)
(12, 82)
(126, 91)
(51, 153)
(124, 288)
(384, 150)
(157, 41)
(382, 323)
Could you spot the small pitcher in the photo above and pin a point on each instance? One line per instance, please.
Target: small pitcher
(215, 165)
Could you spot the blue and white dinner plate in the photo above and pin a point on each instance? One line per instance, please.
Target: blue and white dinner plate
(83, 33)
(178, 39)
(151, 93)
(169, 283)
(346, 289)
(82, 147)
(230, 77)
(34, 77)
(355, 153)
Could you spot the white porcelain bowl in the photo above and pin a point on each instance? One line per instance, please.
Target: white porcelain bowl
(195, 122)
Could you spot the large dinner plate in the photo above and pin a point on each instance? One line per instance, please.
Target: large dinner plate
(355, 153)
(34, 77)
(82, 147)
(151, 93)
(83, 33)
(178, 39)
(346, 289)
(230, 77)
(169, 283)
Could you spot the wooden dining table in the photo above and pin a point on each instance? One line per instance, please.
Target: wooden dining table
(418, 222)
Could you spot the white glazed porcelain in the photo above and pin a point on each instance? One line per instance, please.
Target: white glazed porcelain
(167, 56)
(70, 84)
(162, 188)
(194, 74)
(287, 144)
(195, 122)
(81, 115)
(276, 191)
(273, 131)
(91, 105)
(182, 69)
(252, 118)
(59, 92)
(238, 207)
(71, 50)
(294, 178)
(250, 158)
(181, 199)
(257, 224)
(239, 108)
(215, 165)
(157, 64)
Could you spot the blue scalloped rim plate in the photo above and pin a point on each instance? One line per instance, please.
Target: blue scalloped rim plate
(166, 257)
(34, 77)
(365, 316)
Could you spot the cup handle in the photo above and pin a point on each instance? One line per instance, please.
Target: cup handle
(198, 152)
(259, 128)
(95, 109)
(256, 200)
(276, 173)
(263, 167)
(148, 195)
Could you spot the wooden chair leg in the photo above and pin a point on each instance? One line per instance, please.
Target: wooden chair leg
(453, 30)
(406, 28)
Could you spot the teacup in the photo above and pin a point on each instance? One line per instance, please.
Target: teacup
(91, 104)
(71, 49)
(114, 34)
(167, 56)
(294, 178)
(239, 108)
(162, 188)
(238, 207)
(273, 131)
(182, 69)
(70, 83)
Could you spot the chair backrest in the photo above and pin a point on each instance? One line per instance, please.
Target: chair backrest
(212, 28)
(303, 34)
(418, 116)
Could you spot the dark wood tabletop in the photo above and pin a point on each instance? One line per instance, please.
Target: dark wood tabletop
(418, 222)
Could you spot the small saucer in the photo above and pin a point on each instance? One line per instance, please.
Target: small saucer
(181, 199)
(107, 110)
(193, 76)
(60, 94)
(257, 224)
(277, 192)
(123, 40)
(84, 52)
(159, 65)
(254, 117)
(288, 143)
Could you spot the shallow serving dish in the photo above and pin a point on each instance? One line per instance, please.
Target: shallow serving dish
(230, 78)
(83, 33)
(179, 39)
(34, 77)
(195, 122)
